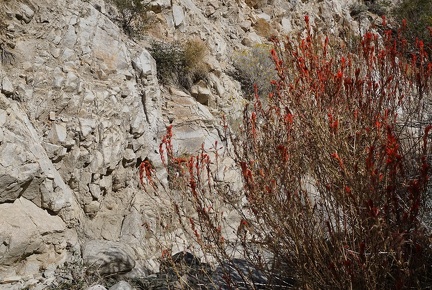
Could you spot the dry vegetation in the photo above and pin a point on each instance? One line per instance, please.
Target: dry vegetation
(180, 64)
(335, 169)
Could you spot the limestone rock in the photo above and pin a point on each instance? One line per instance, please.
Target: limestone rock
(237, 269)
(144, 64)
(122, 285)
(202, 93)
(58, 133)
(24, 13)
(158, 5)
(96, 287)
(30, 237)
(178, 15)
(107, 257)
(286, 25)
(7, 87)
(87, 126)
(251, 39)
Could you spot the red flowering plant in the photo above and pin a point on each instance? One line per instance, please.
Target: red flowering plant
(335, 169)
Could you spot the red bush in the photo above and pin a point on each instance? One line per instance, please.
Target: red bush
(335, 169)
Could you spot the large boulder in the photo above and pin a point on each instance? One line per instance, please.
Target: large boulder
(31, 240)
(107, 257)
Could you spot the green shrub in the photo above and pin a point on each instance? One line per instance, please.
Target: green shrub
(132, 15)
(254, 67)
(379, 7)
(417, 14)
(357, 9)
(180, 64)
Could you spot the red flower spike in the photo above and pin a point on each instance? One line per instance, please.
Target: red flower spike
(338, 159)
(348, 189)
(145, 172)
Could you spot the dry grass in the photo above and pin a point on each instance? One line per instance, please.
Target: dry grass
(180, 64)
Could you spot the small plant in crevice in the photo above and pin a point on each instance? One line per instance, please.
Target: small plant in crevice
(180, 64)
(356, 9)
(379, 7)
(6, 55)
(257, 3)
(335, 171)
(254, 66)
(75, 276)
(133, 15)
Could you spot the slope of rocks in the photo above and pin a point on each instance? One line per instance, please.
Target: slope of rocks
(81, 107)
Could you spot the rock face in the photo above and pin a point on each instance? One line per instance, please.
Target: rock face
(81, 108)
(107, 257)
(30, 232)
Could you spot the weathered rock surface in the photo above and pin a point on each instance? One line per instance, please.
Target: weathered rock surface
(96, 287)
(31, 236)
(122, 285)
(107, 257)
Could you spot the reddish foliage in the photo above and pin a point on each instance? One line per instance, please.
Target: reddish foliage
(360, 110)
(334, 165)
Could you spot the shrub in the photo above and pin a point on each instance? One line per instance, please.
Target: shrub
(6, 56)
(132, 15)
(254, 67)
(417, 15)
(263, 28)
(379, 7)
(356, 9)
(256, 3)
(335, 170)
(180, 64)
(74, 276)
(195, 50)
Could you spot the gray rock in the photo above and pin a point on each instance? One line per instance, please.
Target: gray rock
(202, 93)
(70, 37)
(246, 25)
(144, 64)
(234, 271)
(251, 39)
(107, 257)
(87, 126)
(122, 285)
(7, 87)
(52, 116)
(72, 82)
(178, 15)
(58, 133)
(96, 287)
(17, 169)
(264, 16)
(95, 190)
(25, 13)
(3, 117)
(286, 25)
(30, 236)
(129, 156)
(92, 208)
(55, 152)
